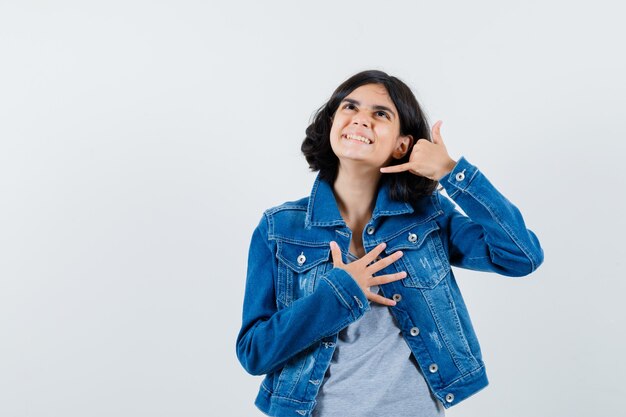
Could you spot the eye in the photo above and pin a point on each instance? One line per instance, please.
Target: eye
(384, 114)
(349, 105)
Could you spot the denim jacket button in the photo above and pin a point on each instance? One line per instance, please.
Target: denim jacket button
(460, 176)
(370, 230)
(397, 297)
(450, 398)
(412, 237)
(301, 259)
(433, 368)
(415, 331)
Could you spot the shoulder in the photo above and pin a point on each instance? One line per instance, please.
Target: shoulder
(286, 219)
(442, 202)
(428, 207)
(435, 208)
(288, 206)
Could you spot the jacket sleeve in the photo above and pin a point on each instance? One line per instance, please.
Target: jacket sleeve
(269, 337)
(493, 235)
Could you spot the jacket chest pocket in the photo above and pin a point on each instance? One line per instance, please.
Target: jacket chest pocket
(299, 267)
(424, 260)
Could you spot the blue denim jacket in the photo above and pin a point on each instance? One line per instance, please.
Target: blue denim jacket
(296, 302)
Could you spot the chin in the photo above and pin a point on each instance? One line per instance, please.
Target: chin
(361, 162)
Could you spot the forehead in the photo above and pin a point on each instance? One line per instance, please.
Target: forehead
(372, 95)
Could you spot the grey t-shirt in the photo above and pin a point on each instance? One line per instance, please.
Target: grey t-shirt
(374, 373)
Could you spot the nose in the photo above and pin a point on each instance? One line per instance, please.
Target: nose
(360, 119)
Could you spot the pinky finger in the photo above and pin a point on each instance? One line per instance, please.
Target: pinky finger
(381, 300)
(391, 169)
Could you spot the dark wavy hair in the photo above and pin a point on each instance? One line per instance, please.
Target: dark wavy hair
(404, 186)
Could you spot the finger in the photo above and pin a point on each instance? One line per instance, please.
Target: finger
(384, 262)
(373, 254)
(336, 254)
(386, 279)
(380, 299)
(392, 169)
(436, 132)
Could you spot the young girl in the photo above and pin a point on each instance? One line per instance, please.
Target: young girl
(351, 307)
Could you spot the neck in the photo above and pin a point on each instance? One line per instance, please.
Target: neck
(355, 190)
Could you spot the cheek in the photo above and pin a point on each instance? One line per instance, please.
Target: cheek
(386, 136)
(334, 144)
(335, 132)
(336, 125)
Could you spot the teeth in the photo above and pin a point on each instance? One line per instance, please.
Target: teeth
(360, 138)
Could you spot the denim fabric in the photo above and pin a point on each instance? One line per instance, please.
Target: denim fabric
(295, 302)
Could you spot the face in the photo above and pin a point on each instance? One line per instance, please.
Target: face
(366, 128)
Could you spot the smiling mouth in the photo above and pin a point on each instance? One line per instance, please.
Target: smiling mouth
(357, 137)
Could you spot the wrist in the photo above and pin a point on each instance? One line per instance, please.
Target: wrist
(447, 168)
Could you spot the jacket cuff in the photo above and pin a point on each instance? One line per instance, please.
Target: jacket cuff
(348, 291)
(459, 178)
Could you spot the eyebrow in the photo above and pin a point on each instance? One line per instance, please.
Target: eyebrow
(375, 106)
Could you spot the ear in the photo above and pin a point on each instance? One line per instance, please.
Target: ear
(403, 144)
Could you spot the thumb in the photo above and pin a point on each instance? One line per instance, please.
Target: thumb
(336, 254)
(436, 133)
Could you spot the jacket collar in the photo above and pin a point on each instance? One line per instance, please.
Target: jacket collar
(322, 208)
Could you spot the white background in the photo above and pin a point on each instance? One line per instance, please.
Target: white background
(140, 142)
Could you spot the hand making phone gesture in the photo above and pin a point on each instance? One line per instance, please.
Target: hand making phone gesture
(428, 159)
